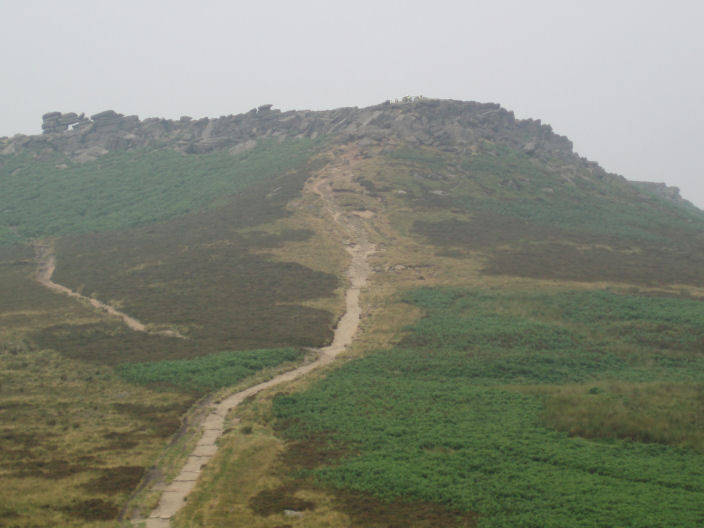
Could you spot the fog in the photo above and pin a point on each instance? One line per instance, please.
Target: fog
(622, 79)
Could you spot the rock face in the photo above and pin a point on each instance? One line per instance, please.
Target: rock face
(54, 122)
(445, 124)
(661, 189)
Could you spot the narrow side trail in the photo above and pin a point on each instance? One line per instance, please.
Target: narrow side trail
(46, 264)
(352, 225)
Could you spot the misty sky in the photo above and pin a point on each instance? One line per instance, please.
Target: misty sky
(624, 80)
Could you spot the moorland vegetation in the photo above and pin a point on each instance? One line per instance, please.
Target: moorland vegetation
(48, 194)
(88, 405)
(487, 404)
(531, 347)
(76, 439)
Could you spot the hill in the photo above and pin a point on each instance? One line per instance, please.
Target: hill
(529, 351)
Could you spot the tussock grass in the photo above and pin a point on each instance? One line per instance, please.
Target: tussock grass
(75, 438)
(660, 412)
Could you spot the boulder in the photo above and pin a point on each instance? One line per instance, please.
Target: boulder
(105, 115)
(90, 154)
(68, 119)
(243, 147)
(129, 122)
(529, 147)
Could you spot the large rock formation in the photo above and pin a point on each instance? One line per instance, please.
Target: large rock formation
(450, 125)
(445, 124)
(56, 122)
(662, 190)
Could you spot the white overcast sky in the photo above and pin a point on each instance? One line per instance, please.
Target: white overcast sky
(624, 80)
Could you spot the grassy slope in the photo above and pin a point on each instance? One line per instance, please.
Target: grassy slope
(453, 416)
(520, 406)
(75, 438)
(208, 274)
(532, 219)
(498, 208)
(124, 189)
(87, 434)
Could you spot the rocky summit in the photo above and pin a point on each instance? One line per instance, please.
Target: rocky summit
(451, 125)
(448, 125)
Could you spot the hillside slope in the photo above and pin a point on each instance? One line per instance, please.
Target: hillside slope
(530, 350)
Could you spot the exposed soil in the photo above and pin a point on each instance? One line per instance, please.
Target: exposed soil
(46, 264)
(173, 495)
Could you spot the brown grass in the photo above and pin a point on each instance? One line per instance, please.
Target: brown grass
(648, 265)
(72, 444)
(271, 501)
(662, 412)
(209, 275)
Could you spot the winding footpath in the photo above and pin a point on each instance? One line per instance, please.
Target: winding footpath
(46, 264)
(173, 495)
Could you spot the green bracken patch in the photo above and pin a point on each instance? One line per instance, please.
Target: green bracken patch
(207, 373)
(367, 510)
(455, 416)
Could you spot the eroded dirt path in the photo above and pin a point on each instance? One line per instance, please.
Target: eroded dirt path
(357, 244)
(46, 264)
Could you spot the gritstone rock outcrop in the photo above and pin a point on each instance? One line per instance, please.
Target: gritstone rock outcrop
(445, 124)
(451, 125)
